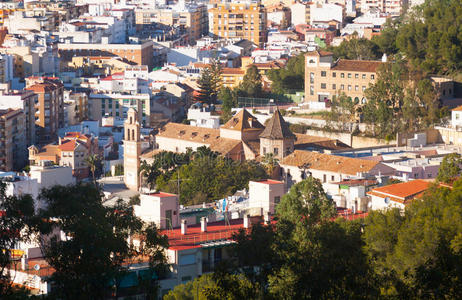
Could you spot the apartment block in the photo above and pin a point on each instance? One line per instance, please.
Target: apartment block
(392, 7)
(26, 101)
(49, 110)
(140, 54)
(13, 149)
(325, 78)
(191, 18)
(239, 20)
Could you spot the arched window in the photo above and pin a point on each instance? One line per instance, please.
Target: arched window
(356, 100)
(363, 101)
(128, 134)
(133, 134)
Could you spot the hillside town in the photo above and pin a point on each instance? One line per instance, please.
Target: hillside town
(248, 149)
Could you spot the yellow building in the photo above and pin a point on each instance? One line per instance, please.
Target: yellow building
(232, 77)
(240, 20)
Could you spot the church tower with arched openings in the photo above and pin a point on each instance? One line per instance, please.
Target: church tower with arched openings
(132, 150)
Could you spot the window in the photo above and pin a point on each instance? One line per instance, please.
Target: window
(334, 86)
(311, 90)
(323, 86)
(356, 76)
(342, 75)
(457, 116)
(364, 88)
(364, 76)
(324, 178)
(311, 77)
(349, 87)
(332, 178)
(277, 199)
(372, 76)
(349, 75)
(276, 151)
(264, 150)
(334, 74)
(342, 87)
(356, 87)
(323, 74)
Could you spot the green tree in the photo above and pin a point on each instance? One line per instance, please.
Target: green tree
(342, 113)
(449, 168)
(90, 260)
(430, 37)
(229, 100)
(306, 203)
(289, 78)
(94, 163)
(251, 85)
(209, 83)
(357, 49)
(17, 223)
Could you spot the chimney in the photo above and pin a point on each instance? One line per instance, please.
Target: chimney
(247, 221)
(23, 262)
(203, 224)
(267, 217)
(184, 227)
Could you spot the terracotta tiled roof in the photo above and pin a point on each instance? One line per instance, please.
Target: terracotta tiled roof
(303, 143)
(68, 145)
(277, 128)
(357, 65)
(207, 136)
(243, 120)
(458, 108)
(232, 71)
(330, 163)
(402, 192)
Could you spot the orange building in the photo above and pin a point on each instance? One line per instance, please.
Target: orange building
(49, 110)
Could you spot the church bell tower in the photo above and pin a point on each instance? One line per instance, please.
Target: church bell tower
(132, 150)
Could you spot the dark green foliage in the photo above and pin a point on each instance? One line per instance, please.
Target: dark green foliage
(228, 98)
(418, 253)
(200, 175)
(209, 83)
(290, 78)
(251, 85)
(89, 264)
(358, 49)
(449, 168)
(400, 100)
(17, 222)
(431, 38)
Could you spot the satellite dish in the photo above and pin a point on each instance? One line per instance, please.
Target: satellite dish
(387, 200)
(37, 267)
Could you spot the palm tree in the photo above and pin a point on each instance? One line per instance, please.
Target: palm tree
(93, 161)
(270, 163)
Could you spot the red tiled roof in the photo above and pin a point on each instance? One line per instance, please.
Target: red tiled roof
(68, 145)
(402, 191)
(357, 65)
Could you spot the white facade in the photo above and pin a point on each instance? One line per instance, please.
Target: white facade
(265, 194)
(456, 118)
(160, 208)
(298, 14)
(380, 203)
(201, 118)
(326, 13)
